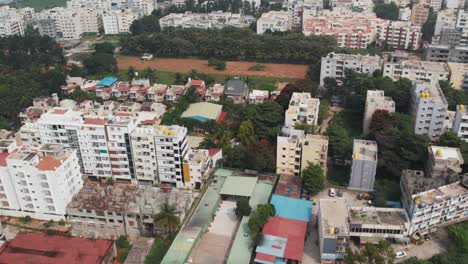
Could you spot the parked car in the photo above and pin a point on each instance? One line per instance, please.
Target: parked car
(400, 254)
(332, 192)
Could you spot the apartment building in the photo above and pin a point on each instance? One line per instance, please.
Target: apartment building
(446, 53)
(288, 151)
(376, 100)
(460, 124)
(400, 35)
(302, 109)
(416, 70)
(215, 19)
(294, 8)
(350, 30)
(404, 14)
(315, 151)
(119, 21)
(445, 19)
(121, 210)
(334, 65)
(399, 3)
(42, 182)
(118, 130)
(455, 4)
(338, 223)
(274, 21)
(437, 208)
(364, 165)
(94, 148)
(29, 135)
(444, 162)
(428, 109)
(419, 14)
(435, 4)
(11, 22)
(196, 168)
(66, 23)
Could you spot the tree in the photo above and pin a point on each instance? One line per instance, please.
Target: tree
(100, 63)
(380, 253)
(131, 73)
(268, 119)
(104, 47)
(150, 74)
(286, 93)
(387, 11)
(353, 257)
(243, 207)
(429, 27)
(246, 133)
(324, 110)
(236, 157)
(167, 219)
(260, 217)
(261, 156)
(77, 71)
(313, 178)
(146, 24)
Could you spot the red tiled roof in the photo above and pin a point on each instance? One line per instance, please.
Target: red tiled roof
(293, 230)
(213, 151)
(3, 156)
(221, 118)
(39, 248)
(265, 257)
(48, 163)
(148, 121)
(197, 82)
(59, 111)
(95, 121)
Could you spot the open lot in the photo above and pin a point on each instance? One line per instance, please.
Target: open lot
(292, 71)
(438, 244)
(214, 244)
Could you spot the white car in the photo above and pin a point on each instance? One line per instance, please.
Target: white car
(400, 254)
(332, 192)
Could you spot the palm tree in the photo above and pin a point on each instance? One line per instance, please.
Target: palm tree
(150, 74)
(167, 219)
(131, 73)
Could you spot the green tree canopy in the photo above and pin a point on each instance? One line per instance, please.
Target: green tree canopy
(167, 219)
(313, 178)
(243, 207)
(386, 11)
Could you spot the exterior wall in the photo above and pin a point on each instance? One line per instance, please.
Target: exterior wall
(401, 35)
(460, 125)
(315, 150)
(120, 153)
(416, 71)
(419, 14)
(376, 100)
(444, 53)
(288, 152)
(334, 65)
(94, 149)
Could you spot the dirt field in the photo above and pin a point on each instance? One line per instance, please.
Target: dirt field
(293, 71)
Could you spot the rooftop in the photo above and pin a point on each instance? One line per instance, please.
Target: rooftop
(238, 186)
(440, 67)
(41, 248)
(440, 194)
(430, 91)
(365, 59)
(377, 216)
(203, 111)
(334, 215)
(292, 208)
(364, 150)
(445, 153)
(107, 81)
(48, 163)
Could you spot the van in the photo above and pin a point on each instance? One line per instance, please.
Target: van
(332, 192)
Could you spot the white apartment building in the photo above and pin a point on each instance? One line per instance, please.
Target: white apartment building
(94, 4)
(429, 109)
(334, 64)
(29, 135)
(400, 35)
(294, 8)
(435, 4)
(302, 109)
(462, 18)
(455, 4)
(364, 165)
(11, 22)
(274, 21)
(93, 147)
(144, 154)
(215, 19)
(400, 3)
(171, 150)
(404, 14)
(66, 22)
(425, 71)
(288, 151)
(445, 19)
(146, 6)
(376, 100)
(44, 181)
(460, 124)
(196, 168)
(437, 208)
(8, 199)
(119, 21)
(118, 130)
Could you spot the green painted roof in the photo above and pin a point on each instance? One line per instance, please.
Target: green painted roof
(204, 110)
(239, 186)
(241, 249)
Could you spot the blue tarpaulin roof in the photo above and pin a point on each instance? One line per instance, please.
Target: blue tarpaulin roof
(292, 208)
(107, 81)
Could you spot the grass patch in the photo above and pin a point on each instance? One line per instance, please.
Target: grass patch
(38, 5)
(257, 67)
(158, 250)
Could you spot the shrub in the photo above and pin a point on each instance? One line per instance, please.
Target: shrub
(25, 219)
(217, 64)
(257, 67)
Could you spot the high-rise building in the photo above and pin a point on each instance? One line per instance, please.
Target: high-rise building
(428, 109)
(376, 100)
(288, 151)
(460, 124)
(364, 165)
(416, 70)
(419, 14)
